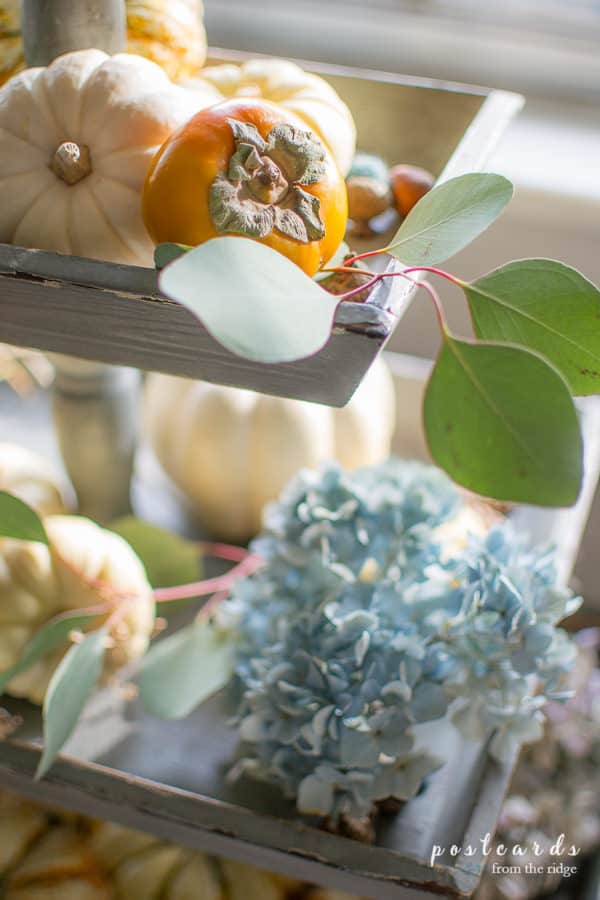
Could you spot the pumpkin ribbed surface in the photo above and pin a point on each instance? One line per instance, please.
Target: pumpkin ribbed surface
(76, 141)
(231, 451)
(49, 855)
(32, 478)
(83, 566)
(301, 93)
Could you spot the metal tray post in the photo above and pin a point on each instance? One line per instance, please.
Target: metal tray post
(94, 404)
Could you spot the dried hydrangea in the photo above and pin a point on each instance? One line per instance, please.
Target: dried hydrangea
(360, 626)
(554, 790)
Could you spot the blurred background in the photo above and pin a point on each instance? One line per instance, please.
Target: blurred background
(547, 50)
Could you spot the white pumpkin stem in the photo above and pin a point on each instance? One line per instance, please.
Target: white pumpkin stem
(71, 162)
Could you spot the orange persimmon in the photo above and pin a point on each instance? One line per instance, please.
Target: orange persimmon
(248, 167)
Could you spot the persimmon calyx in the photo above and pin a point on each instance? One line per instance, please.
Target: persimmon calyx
(263, 188)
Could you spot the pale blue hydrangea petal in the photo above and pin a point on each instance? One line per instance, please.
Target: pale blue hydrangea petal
(358, 627)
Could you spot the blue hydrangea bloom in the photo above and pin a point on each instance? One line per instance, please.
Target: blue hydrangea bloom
(360, 626)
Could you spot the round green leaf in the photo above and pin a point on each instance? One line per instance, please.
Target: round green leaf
(20, 521)
(251, 299)
(44, 641)
(168, 558)
(72, 683)
(449, 217)
(545, 306)
(501, 421)
(182, 670)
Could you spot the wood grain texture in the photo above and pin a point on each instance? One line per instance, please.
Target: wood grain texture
(115, 314)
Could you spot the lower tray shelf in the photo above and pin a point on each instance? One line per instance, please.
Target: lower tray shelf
(169, 778)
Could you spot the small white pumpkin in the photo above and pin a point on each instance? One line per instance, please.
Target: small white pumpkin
(76, 140)
(79, 568)
(231, 451)
(32, 478)
(287, 84)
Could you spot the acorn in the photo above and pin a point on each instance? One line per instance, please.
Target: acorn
(367, 197)
(409, 184)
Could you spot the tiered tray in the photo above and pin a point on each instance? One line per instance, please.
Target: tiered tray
(170, 778)
(115, 314)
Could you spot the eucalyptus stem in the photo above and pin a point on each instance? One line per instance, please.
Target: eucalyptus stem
(366, 255)
(439, 309)
(349, 270)
(435, 271)
(246, 565)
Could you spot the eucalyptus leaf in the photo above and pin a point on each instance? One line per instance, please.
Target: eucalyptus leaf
(72, 683)
(49, 638)
(546, 306)
(449, 217)
(183, 669)
(253, 300)
(168, 558)
(501, 421)
(20, 521)
(168, 252)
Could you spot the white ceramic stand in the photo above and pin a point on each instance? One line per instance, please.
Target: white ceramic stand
(94, 404)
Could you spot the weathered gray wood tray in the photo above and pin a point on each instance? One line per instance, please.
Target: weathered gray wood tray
(169, 778)
(115, 314)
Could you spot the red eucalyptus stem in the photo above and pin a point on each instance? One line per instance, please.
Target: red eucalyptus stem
(353, 259)
(211, 605)
(439, 309)
(247, 564)
(367, 284)
(435, 271)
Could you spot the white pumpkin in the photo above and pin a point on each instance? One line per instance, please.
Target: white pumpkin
(79, 568)
(76, 140)
(32, 478)
(142, 866)
(287, 84)
(231, 451)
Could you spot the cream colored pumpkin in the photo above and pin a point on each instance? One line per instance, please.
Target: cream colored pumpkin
(142, 866)
(83, 565)
(76, 140)
(231, 451)
(53, 855)
(287, 84)
(44, 859)
(32, 478)
(169, 32)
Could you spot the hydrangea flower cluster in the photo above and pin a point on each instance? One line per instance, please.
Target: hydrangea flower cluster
(361, 625)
